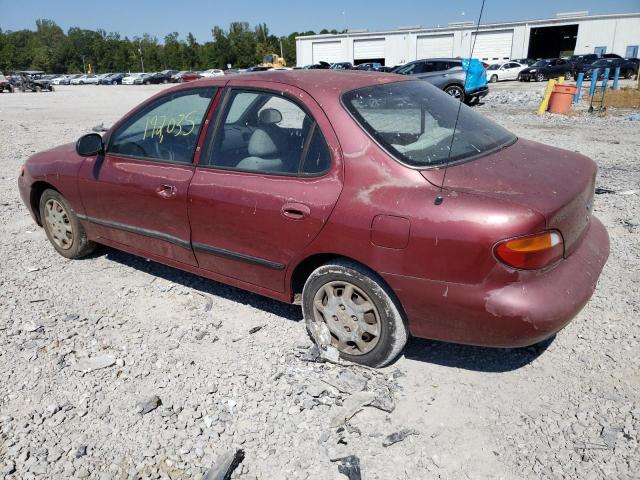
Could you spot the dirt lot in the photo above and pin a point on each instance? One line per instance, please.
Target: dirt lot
(570, 409)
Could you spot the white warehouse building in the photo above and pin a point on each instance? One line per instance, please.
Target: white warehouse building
(566, 34)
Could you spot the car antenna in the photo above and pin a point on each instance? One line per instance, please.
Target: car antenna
(439, 198)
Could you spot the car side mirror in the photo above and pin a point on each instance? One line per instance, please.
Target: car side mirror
(89, 145)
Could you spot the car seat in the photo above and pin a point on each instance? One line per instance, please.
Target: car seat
(265, 145)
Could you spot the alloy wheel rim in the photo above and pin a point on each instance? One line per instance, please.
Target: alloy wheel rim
(59, 224)
(454, 92)
(350, 315)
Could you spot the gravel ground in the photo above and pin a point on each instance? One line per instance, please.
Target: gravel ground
(113, 367)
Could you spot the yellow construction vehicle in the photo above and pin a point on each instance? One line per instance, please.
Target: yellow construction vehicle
(272, 60)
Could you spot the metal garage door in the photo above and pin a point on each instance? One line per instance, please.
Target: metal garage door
(493, 45)
(329, 52)
(432, 46)
(368, 49)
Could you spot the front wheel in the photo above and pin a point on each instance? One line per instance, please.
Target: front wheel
(493, 79)
(361, 313)
(61, 224)
(455, 91)
(540, 77)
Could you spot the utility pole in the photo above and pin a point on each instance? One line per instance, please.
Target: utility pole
(281, 54)
(141, 59)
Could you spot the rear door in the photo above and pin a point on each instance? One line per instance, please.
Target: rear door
(267, 179)
(136, 193)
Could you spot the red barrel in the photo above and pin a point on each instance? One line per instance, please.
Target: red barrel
(561, 98)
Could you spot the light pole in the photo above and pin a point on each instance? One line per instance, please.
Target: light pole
(84, 67)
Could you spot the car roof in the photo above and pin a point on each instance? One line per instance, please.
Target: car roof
(318, 83)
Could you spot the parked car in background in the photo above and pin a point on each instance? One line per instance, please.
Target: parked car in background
(175, 78)
(546, 69)
(156, 78)
(143, 79)
(628, 68)
(213, 72)
(129, 79)
(369, 66)
(83, 79)
(282, 199)
(341, 66)
(504, 71)
(97, 79)
(634, 63)
(446, 74)
(5, 85)
(113, 79)
(188, 77)
(577, 61)
(59, 79)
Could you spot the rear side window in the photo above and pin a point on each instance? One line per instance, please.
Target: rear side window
(165, 130)
(414, 122)
(266, 132)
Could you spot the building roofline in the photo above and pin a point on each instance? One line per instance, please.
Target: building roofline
(483, 26)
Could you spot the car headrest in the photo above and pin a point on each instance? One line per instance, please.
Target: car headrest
(261, 144)
(270, 116)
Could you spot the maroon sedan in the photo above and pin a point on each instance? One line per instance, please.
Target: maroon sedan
(347, 191)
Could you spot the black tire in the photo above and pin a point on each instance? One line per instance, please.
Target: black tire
(147, 82)
(387, 318)
(456, 91)
(37, 89)
(494, 78)
(11, 89)
(78, 244)
(539, 77)
(568, 76)
(628, 74)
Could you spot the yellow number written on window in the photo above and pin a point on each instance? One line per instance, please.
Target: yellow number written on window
(159, 125)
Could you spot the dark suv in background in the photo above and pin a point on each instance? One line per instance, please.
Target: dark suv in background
(446, 74)
(628, 68)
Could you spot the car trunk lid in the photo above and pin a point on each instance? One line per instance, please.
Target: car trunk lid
(556, 183)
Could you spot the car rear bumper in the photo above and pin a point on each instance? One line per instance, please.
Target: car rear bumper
(523, 312)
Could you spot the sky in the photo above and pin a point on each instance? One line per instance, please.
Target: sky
(159, 17)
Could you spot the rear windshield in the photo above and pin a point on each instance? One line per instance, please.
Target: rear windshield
(414, 121)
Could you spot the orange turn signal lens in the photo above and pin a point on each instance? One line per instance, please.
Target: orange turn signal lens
(531, 252)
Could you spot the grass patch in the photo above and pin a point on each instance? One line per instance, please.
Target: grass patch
(627, 97)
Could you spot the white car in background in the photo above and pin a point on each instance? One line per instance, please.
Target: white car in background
(60, 80)
(82, 80)
(212, 72)
(129, 79)
(504, 71)
(95, 80)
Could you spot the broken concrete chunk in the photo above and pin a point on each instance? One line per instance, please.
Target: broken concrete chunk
(399, 436)
(349, 466)
(351, 406)
(225, 467)
(384, 400)
(148, 405)
(94, 363)
(255, 329)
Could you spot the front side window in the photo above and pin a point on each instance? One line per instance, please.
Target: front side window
(414, 122)
(165, 130)
(267, 132)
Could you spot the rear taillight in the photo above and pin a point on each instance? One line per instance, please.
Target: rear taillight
(531, 252)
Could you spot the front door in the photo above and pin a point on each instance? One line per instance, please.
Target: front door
(136, 193)
(266, 182)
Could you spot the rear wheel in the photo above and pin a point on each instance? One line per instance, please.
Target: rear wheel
(494, 78)
(568, 76)
(628, 74)
(455, 91)
(37, 89)
(359, 310)
(61, 224)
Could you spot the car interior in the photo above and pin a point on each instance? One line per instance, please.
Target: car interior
(261, 132)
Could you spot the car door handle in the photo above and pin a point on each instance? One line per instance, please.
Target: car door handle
(166, 191)
(295, 211)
